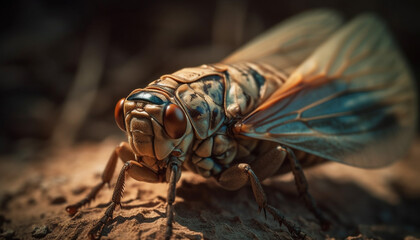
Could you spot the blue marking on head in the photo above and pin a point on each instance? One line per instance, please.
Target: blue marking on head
(146, 96)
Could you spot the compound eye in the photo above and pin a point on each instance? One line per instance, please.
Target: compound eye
(175, 121)
(119, 114)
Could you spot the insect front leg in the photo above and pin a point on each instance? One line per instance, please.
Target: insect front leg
(123, 151)
(240, 174)
(134, 170)
(174, 173)
(302, 187)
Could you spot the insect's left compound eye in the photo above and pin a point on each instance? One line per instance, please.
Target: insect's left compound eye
(175, 121)
(119, 114)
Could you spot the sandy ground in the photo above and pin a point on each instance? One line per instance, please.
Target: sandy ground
(361, 204)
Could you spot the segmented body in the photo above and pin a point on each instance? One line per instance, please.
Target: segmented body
(308, 90)
(214, 97)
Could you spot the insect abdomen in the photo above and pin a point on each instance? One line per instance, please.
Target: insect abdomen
(305, 159)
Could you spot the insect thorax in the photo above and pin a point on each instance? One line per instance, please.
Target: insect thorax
(214, 97)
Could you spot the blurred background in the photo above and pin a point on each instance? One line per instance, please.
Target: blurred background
(64, 64)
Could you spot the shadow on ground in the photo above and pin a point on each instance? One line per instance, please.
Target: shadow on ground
(361, 204)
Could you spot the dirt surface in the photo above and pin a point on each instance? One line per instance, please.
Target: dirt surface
(64, 65)
(361, 204)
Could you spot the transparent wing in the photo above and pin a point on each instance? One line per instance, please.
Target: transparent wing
(289, 43)
(352, 101)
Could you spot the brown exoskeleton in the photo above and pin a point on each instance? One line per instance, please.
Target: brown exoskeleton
(301, 94)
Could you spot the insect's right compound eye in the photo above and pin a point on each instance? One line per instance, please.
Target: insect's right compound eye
(175, 121)
(119, 114)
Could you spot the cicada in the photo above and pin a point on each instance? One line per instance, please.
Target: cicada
(310, 90)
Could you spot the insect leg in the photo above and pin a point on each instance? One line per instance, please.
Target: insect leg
(243, 173)
(267, 164)
(134, 170)
(124, 152)
(171, 199)
(302, 187)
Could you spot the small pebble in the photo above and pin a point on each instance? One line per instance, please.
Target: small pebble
(56, 196)
(58, 200)
(31, 201)
(40, 231)
(78, 190)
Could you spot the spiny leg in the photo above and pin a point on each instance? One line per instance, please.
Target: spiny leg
(124, 152)
(294, 230)
(171, 199)
(302, 187)
(116, 200)
(243, 173)
(134, 170)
